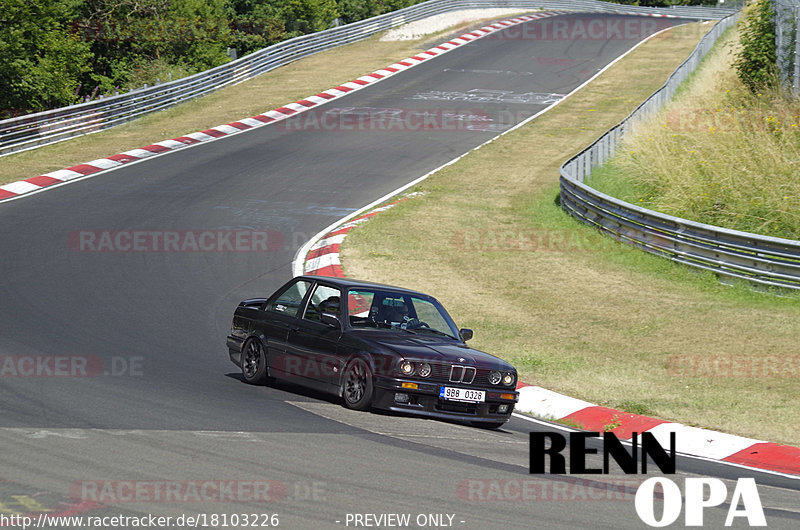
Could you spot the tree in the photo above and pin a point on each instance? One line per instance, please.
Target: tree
(40, 61)
(756, 61)
(308, 16)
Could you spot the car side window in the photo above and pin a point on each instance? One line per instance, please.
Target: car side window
(288, 302)
(324, 300)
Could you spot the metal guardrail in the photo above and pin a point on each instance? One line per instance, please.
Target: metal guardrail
(760, 259)
(34, 130)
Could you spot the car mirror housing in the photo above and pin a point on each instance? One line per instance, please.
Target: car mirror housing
(331, 320)
(465, 333)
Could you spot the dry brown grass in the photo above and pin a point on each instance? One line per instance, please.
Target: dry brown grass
(268, 91)
(595, 323)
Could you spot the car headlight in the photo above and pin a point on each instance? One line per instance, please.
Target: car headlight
(494, 377)
(407, 367)
(425, 370)
(508, 379)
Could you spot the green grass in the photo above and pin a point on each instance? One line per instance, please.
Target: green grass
(573, 311)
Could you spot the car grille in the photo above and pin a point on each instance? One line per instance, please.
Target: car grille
(460, 374)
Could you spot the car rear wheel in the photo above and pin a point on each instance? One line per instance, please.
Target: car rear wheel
(357, 385)
(254, 362)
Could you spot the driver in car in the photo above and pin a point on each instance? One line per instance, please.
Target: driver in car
(399, 316)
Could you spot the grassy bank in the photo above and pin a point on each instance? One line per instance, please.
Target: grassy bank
(717, 154)
(574, 312)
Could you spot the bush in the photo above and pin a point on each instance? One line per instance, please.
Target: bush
(756, 61)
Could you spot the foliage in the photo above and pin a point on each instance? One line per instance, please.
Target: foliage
(57, 52)
(756, 61)
(40, 63)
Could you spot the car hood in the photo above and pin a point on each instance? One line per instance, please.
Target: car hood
(436, 349)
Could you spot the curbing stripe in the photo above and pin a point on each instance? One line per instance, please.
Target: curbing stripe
(549, 404)
(63, 175)
(105, 163)
(43, 181)
(19, 187)
(775, 457)
(596, 418)
(85, 169)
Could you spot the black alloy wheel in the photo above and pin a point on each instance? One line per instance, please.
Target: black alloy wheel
(357, 385)
(254, 362)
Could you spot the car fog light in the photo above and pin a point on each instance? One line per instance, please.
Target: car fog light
(407, 367)
(494, 378)
(401, 397)
(425, 370)
(502, 409)
(508, 379)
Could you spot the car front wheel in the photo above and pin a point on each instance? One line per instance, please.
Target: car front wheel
(357, 385)
(254, 362)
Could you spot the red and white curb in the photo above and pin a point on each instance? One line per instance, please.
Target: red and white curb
(33, 184)
(322, 259)
(690, 440)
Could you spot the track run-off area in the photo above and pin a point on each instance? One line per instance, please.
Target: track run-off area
(117, 394)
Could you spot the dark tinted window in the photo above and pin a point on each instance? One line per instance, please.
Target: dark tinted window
(324, 300)
(288, 302)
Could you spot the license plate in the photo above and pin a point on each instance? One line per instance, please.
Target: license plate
(462, 394)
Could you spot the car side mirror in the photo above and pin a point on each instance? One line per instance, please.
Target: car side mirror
(465, 333)
(330, 319)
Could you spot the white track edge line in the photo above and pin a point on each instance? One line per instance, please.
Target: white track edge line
(299, 261)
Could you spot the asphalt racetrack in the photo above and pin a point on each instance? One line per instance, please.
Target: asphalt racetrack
(115, 377)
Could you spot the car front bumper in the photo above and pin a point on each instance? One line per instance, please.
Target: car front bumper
(424, 400)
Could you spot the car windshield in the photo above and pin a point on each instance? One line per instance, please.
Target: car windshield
(368, 308)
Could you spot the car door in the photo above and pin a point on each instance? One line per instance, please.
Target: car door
(279, 316)
(314, 343)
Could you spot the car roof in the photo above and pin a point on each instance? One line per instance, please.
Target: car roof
(350, 283)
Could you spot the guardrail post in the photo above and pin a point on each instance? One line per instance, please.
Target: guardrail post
(796, 76)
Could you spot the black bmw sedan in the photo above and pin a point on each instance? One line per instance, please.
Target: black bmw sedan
(375, 346)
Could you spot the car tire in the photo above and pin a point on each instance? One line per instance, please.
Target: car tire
(254, 362)
(357, 385)
(485, 425)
